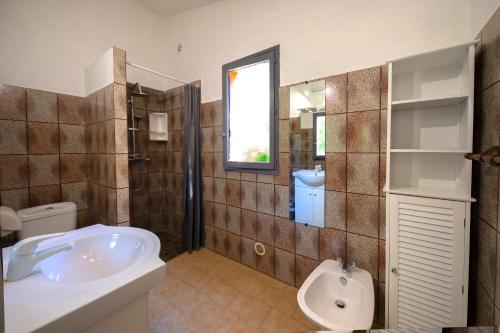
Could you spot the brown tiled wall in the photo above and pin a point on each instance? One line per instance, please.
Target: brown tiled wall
(157, 206)
(241, 208)
(108, 156)
(484, 294)
(107, 149)
(42, 149)
(56, 147)
(356, 107)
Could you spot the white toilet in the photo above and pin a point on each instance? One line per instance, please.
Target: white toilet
(39, 220)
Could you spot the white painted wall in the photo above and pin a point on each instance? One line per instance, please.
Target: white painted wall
(480, 11)
(318, 38)
(47, 44)
(100, 73)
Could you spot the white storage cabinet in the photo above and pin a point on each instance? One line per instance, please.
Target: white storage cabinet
(430, 114)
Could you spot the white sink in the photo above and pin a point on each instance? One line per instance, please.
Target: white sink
(94, 257)
(310, 177)
(334, 305)
(106, 269)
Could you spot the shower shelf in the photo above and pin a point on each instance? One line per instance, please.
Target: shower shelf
(137, 158)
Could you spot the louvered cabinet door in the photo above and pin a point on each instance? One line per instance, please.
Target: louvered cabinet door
(427, 262)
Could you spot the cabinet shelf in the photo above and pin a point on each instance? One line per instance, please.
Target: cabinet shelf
(456, 194)
(445, 151)
(423, 103)
(443, 128)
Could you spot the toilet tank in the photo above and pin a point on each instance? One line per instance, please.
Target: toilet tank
(47, 219)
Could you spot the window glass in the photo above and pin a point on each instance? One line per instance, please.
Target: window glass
(249, 139)
(250, 111)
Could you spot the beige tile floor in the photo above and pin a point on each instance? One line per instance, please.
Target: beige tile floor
(206, 292)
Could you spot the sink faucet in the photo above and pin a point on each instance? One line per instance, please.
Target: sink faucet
(346, 268)
(23, 257)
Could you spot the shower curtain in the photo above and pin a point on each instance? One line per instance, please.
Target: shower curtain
(193, 234)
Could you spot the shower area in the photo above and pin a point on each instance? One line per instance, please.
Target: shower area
(155, 184)
(156, 163)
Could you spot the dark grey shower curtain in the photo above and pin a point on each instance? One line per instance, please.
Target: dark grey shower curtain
(193, 234)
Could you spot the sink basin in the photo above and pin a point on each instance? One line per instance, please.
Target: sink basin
(310, 177)
(336, 300)
(94, 257)
(108, 272)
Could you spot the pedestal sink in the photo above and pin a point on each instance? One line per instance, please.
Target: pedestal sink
(310, 177)
(336, 300)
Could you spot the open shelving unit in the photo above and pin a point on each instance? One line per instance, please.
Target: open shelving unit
(429, 129)
(430, 124)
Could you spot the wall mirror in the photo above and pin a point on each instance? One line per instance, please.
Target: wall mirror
(307, 138)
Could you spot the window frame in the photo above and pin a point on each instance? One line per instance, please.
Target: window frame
(315, 141)
(271, 167)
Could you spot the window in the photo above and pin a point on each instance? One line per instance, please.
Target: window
(250, 109)
(319, 136)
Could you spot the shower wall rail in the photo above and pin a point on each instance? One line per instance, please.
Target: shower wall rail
(155, 72)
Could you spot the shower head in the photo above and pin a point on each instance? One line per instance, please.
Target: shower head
(137, 91)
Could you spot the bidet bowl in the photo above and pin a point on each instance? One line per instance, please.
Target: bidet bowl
(336, 300)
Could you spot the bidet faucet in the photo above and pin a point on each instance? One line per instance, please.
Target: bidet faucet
(23, 258)
(346, 268)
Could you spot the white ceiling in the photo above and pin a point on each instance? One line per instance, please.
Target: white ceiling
(172, 7)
